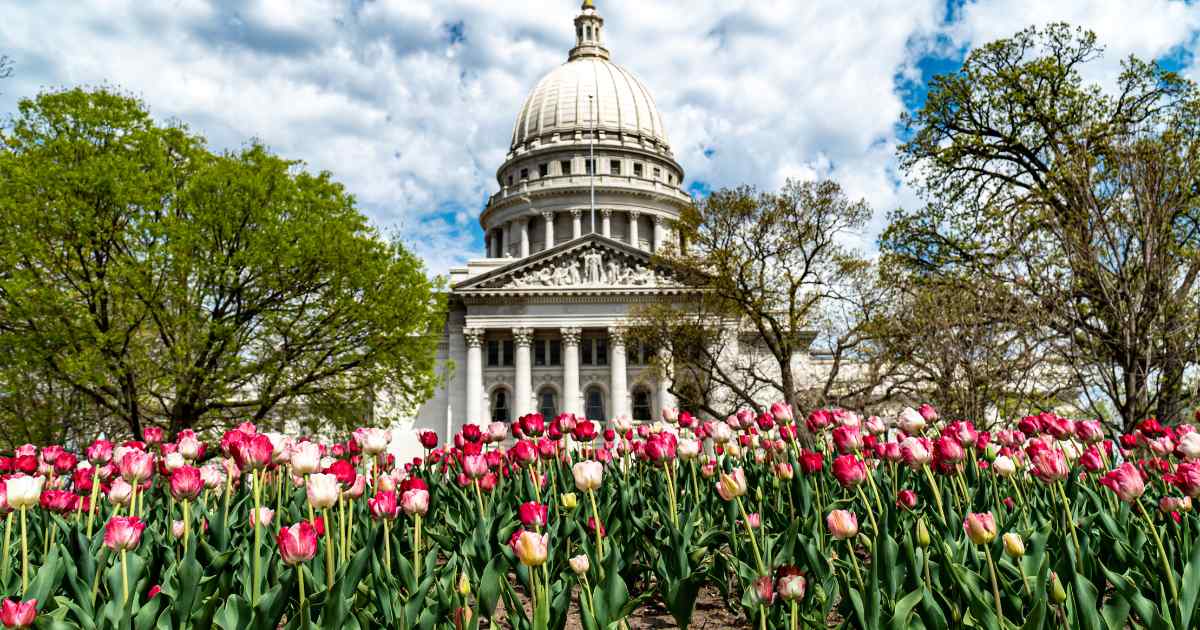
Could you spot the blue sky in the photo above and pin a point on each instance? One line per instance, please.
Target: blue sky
(411, 103)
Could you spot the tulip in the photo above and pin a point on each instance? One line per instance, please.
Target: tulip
(764, 590)
(906, 499)
(120, 492)
(189, 446)
(122, 533)
(1049, 465)
(791, 587)
(497, 432)
(1013, 545)
(475, 466)
(1004, 466)
(580, 564)
(253, 453)
(428, 439)
(265, 516)
(588, 475)
(23, 491)
(1187, 478)
(186, 483)
(297, 543)
(732, 485)
(1125, 481)
(322, 491)
(910, 421)
(843, 524)
(569, 501)
(305, 458)
(532, 514)
(530, 548)
(18, 614)
(1189, 445)
(136, 466)
(415, 501)
(849, 470)
(1175, 504)
(1089, 431)
(1058, 594)
(372, 440)
(753, 520)
(915, 452)
(980, 527)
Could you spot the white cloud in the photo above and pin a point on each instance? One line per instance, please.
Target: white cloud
(411, 102)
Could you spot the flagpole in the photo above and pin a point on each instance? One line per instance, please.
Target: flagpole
(592, 160)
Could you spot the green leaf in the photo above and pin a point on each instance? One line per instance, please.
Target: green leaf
(901, 618)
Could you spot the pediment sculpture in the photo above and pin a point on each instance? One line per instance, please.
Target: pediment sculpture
(593, 267)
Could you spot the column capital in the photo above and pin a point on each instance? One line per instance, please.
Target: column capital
(635, 213)
(548, 215)
(474, 337)
(570, 336)
(576, 213)
(523, 336)
(605, 212)
(616, 335)
(658, 219)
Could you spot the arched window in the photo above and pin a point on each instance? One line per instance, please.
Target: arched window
(595, 405)
(547, 403)
(500, 406)
(641, 405)
(588, 30)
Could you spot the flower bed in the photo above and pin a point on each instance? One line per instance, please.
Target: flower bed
(911, 523)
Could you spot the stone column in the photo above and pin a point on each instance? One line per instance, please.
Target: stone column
(474, 339)
(660, 233)
(616, 362)
(523, 380)
(549, 217)
(487, 243)
(523, 227)
(606, 223)
(665, 399)
(570, 341)
(576, 224)
(634, 238)
(505, 237)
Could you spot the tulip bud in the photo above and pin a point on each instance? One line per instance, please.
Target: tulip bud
(980, 527)
(464, 585)
(922, 533)
(580, 564)
(1013, 545)
(569, 501)
(1058, 594)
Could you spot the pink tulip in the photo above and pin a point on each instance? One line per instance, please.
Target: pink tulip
(137, 466)
(297, 543)
(265, 516)
(415, 501)
(100, 452)
(848, 439)
(383, 505)
(18, 614)
(980, 527)
(254, 452)
(475, 466)
(1175, 504)
(842, 524)
(1187, 478)
(186, 483)
(1089, 431)
(915, 452)
(1125, 481)
(532, 514)
(782, 412)
(732, 485)
(123, 533)
(1049, 465)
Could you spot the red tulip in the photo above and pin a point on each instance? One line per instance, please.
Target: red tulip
(58, 501)
(906, 499)
(18, 614)
(297, 543)
(811, 462)
(253, 452)
(947, 449)
(849, 470)
(429, 439)
(343, 470)
(848, 439)
(532, 514)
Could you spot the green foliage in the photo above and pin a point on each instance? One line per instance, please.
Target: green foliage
(153, 281)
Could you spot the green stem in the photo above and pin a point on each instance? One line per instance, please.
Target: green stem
(870, 514)
(24, 554)
(762, 568)
(8, 523)
(387, 545)
(187, 523)
(124, 579)
(417, 547)
(254, 588)
(300, 575)
(96, 578)
(1162, 554)
(479, 497)
(995, 585)
(857, 573)
(937, 493)
(599, 538)
(1071, 522)
(328, 551)
(794, 617)
(92, 502)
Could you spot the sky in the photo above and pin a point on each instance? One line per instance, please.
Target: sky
(410, 103)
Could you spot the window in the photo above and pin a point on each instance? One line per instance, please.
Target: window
(499, 352)
(637, 170)
(593, 351)
(670, 178)
(641, 405)
(565, 165)
(614, 167)
(524, 174)
(595, 405)
(510, 180)
(500, 406)
(543, 170)
(547, 352)
(547, 403)
(589, 166)
(657, 172)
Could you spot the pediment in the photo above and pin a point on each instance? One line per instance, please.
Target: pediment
(588, 264)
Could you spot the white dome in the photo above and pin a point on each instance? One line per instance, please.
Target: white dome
(559, 103)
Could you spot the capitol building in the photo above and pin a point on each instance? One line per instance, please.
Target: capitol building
(588, 192)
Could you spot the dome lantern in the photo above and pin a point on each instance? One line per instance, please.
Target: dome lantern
(588, 26)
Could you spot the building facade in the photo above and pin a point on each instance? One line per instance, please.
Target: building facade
(588, 191)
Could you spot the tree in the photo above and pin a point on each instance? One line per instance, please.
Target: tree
(178, 287)
(761, 265)
(1081, 202)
